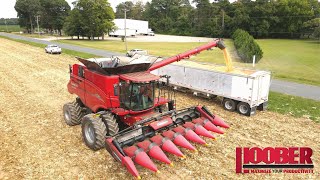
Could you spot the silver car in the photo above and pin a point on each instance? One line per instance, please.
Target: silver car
(53, 49)
(132, 52)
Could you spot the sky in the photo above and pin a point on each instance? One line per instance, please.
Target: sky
(7, 7)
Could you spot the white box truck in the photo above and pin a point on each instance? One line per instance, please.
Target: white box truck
(121, 32)
(244, 90)
(141, 27)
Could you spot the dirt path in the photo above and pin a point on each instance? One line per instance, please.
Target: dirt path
(35, 143)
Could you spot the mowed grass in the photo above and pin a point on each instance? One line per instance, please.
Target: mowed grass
(291, 60)
(11, 28)
(163, 49)
(295, 106)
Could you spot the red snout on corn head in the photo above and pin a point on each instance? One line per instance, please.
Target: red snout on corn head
(156, 136)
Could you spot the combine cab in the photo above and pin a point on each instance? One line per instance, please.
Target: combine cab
(120, 108)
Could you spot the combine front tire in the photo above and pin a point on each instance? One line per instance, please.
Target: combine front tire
(93, 131)
(111, 124)
(72, 113)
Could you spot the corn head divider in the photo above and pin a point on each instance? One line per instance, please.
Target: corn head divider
(118, 110)
(153, 136)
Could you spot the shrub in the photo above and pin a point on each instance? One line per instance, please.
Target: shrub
(246, 46)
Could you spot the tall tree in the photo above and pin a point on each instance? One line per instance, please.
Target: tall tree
(74, 25)
(163, 15)
(120, 8)
(53, 14)
(27, 11)
(95, 16)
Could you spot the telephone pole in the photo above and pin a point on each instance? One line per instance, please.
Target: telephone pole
(38, 25)
(125, 27)
(5, 21)
(222, 22)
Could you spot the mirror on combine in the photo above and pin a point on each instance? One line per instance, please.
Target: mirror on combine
(137, 96)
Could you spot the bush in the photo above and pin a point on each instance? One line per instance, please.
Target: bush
(246, 46)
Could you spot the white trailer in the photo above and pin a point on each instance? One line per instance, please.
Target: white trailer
(121, 32)
(244, 92)
(141, 27)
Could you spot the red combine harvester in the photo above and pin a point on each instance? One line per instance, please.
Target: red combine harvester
(117, 109)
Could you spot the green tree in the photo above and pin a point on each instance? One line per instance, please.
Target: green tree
(53, 14)
(73, 24)
(313, 27)
(95, 16)
(163, 16)
(120, 8)
(27, 10)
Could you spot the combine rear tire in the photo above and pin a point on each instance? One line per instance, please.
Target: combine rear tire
(93, 131)
(229, 104)
(72, 113)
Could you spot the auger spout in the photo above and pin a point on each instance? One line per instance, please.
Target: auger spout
(187, 54)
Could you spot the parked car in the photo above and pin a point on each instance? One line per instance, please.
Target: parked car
(136, 51)
(53, 49)
(151, 33)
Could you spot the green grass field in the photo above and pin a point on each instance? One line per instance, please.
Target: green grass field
(292, 60)
(295, 106)
(11, 28)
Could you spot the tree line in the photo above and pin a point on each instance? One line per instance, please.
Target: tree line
(220, 18)
(49, 14)
(8, 21)
(261, 18)
(88, 18)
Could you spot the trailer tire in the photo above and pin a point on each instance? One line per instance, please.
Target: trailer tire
(244, 108)
(111, 123)
(72, 113)
(229, 104)
(93, 131)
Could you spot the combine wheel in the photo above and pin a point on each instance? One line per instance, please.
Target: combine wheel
(229, 104)
(94, 131)
(111, 124)
(72, 113)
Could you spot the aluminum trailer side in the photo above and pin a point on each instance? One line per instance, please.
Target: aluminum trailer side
(244, 93)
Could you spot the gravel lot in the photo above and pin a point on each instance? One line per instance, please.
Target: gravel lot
(36, 144)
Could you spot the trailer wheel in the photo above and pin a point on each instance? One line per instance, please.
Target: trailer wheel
(229, 104)
(72, 113)
(244, 108)
(111, 124)
(93, 131)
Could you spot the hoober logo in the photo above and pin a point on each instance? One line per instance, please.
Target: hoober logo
(274, 160)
